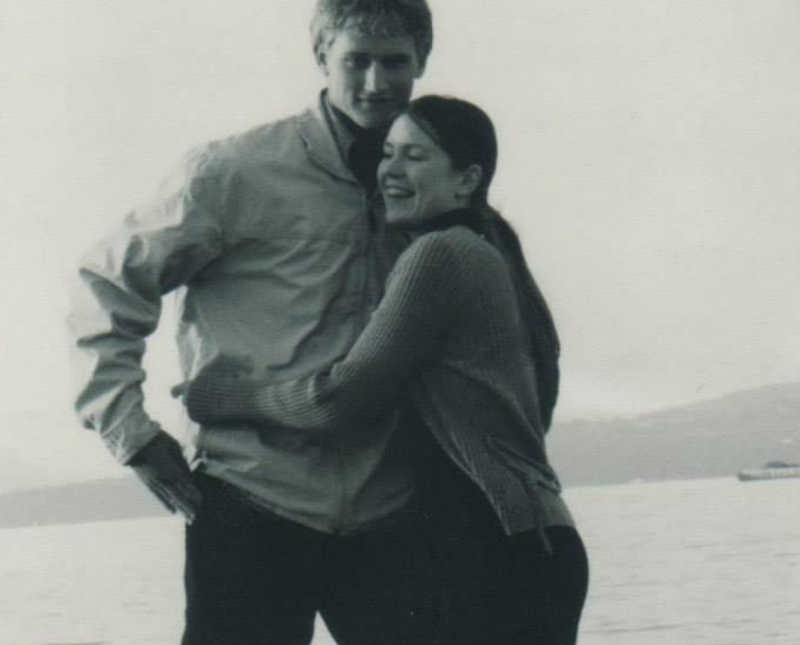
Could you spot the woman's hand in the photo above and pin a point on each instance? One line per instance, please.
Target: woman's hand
(220, 391)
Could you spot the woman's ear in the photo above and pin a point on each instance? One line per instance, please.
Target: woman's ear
(469, 181)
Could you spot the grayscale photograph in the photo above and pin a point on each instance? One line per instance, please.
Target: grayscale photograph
(400, 322)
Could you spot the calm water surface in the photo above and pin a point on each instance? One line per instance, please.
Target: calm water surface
(675, 563)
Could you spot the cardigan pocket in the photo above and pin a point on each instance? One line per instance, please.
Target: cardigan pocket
(525, 465)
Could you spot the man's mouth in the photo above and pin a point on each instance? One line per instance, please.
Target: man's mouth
(376, 101)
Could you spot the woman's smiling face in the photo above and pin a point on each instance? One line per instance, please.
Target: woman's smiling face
(416, 177)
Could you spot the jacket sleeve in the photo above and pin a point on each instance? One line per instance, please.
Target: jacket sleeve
(404, 334)
(116, 302)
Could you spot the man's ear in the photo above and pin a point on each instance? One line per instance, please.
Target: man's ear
(322, 59)
(470, 180)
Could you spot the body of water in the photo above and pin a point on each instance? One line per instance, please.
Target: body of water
(705, 562)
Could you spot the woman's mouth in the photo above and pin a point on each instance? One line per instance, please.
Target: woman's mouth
(396, 192)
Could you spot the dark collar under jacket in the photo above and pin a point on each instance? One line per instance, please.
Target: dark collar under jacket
(361, 148)
(472, 218)
(340, 146)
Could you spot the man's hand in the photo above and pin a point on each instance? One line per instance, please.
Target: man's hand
(162, 468)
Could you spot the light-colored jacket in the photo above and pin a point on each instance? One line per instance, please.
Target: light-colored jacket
(272, 238)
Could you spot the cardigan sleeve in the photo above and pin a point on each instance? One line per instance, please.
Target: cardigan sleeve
(405, 332)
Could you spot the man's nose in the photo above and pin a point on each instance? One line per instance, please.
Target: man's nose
(375, 78)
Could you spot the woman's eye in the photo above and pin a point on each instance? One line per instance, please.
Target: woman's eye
(416, 153)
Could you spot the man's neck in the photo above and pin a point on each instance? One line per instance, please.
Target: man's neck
(359, 147)
(355, 130)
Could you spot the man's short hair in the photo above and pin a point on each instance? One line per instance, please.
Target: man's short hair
(387, 18)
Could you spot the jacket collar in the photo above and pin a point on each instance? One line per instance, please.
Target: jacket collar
(320, 142)
(344, 131)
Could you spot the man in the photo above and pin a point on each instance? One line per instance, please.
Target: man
(272, 234)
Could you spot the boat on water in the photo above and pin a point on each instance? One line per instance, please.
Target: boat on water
(770, 470)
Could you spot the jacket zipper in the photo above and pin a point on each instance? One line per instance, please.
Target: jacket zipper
(363, 255)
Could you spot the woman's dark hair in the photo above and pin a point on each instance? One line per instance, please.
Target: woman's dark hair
(545, 346)
(467, 135)
(463, 131)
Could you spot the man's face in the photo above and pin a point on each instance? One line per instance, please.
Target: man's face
(370, 78)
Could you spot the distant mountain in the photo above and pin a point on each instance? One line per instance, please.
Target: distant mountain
(713, 438)
(100, 499)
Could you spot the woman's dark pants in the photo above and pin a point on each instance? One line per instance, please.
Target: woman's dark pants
(496, 589)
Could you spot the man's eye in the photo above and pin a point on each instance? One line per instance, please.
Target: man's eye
(395, 62)
(357, 61)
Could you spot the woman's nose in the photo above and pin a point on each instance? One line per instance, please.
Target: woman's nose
(390, 165)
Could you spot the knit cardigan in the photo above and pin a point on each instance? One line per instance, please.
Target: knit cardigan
(449, 334)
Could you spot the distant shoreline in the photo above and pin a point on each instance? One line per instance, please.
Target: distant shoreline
(706, 440)
(124, 498)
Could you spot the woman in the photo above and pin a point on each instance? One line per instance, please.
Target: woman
(463, 333)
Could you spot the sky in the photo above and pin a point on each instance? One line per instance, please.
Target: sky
(649, 159)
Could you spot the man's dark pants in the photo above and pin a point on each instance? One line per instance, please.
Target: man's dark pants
(253, 578)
